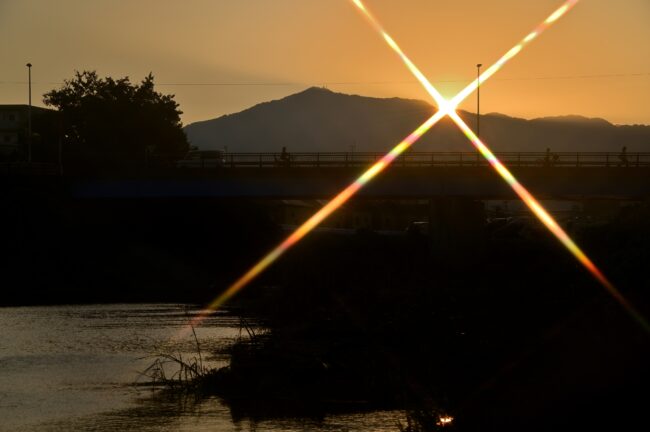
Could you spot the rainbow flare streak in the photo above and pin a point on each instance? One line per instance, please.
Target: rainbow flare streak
(445, 108)
(450, 106)
(548, 220)
(552, 18)
(325, 211)
(450, 109)
(442, 104)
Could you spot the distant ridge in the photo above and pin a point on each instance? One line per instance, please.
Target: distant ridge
(318, 119)
(573, 119)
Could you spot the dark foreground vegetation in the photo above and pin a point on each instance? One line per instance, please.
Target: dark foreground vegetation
(59, 250)
(100, 126)
(508, 334)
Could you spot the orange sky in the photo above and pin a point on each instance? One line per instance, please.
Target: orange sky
(594, 62)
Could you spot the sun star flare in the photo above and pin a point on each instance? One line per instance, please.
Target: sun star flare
(445, 108)
(530, 201)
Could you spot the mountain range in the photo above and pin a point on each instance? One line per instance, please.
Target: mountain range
(318, 119)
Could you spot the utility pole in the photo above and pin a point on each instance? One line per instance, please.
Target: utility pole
(29, 115)
(478, 99)
(60, 144)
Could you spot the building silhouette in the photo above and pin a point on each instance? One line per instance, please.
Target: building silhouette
(14, 133)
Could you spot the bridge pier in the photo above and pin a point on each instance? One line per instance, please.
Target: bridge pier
(456, 226)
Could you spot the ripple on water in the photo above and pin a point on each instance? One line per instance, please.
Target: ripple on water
(71, 368)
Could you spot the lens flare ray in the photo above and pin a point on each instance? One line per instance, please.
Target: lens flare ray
(445, 107)
(324, 212)
(441, 102)
(548, 220)
(534, 205)
(552, 18)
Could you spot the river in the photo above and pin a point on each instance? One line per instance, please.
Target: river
(74, 368)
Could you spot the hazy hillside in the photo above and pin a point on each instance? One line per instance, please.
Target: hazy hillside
(321, 120)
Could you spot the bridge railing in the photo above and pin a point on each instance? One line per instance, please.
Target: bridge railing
(363, 159)
(436, 159)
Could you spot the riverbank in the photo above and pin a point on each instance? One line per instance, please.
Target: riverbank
(517, 337)
(366, 320)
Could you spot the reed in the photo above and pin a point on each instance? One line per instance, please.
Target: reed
(185, 374)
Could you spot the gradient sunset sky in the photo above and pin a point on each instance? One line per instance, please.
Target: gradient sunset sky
(222, 56)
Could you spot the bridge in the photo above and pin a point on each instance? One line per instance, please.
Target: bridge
(428, 159)
(414, 175)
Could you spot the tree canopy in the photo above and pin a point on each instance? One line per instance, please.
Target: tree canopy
(111, 122)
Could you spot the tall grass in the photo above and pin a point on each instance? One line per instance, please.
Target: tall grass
(186, 373)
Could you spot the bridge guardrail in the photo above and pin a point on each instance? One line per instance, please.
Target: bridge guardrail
(355, 160)
(437, 159)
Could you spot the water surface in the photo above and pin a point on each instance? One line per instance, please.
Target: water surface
(73, 368)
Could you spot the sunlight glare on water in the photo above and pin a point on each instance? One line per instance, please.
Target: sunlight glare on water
(72, 368)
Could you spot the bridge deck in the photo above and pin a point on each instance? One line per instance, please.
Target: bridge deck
(413, 175)
(396, 182)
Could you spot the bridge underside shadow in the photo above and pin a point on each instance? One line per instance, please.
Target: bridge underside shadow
(395, 183)
(456, 214)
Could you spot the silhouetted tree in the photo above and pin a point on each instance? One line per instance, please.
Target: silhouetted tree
(111, 122)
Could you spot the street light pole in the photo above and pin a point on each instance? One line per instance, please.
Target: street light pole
(478, 99)
(29, 115)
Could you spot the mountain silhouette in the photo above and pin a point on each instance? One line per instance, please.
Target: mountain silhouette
(321, 120)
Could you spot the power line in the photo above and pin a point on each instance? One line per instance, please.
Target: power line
(620, 75)
(288, 84)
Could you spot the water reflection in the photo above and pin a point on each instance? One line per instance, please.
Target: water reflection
(73, 368)
(161, 414)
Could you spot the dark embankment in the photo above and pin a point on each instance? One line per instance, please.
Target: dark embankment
(513, 335)
(506, 333)
(58, 250)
